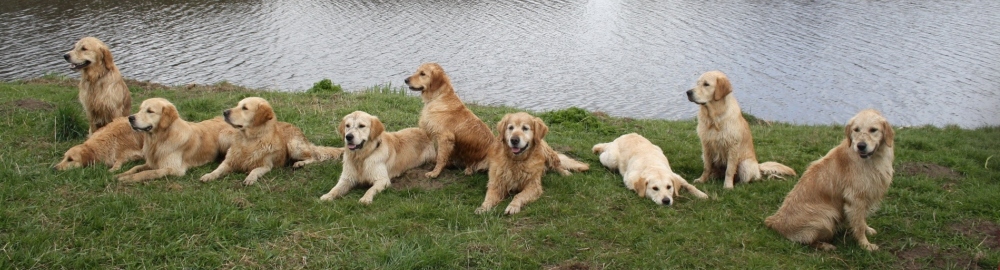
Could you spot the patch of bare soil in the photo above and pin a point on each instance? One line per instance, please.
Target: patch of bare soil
(415, 179)
(931, 170)
(145, 85)
(979, 230)
(569, 265)
(929, 257)
(31, 105)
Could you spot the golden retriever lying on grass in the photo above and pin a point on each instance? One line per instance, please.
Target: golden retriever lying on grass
(518, 161)
(841, 188)
(726, 143)
(113, 145)
(264, 143)
(461, 137)
(173, 145)
(102, 90)
(374, 156)
(645, 168)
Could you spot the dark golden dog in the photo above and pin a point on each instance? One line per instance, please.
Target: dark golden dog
(102, 89)
(112, 145)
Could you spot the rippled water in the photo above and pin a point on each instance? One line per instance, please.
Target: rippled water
(815, 62)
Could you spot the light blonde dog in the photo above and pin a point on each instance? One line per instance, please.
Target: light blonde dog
(842, 188)
(461, 137)
(173, 145)
(374, 157)
(726, 142)
(113, 145)
(263, 143)
(518, 161)
(102, 89)
(644, 168)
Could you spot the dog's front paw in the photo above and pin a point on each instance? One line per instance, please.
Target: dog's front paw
(250, 181)
(869, 246)
(207, 177)
(512, 209)
(699, 180)
(327, 197)
(299, 164)
(727, 186)
(871, 231)
(365, 200)
(432, 174)
(825, 246)
(481, 210)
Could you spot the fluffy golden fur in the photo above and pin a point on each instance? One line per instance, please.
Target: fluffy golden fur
(102, 90)
(644, 168)
(373, 156)
(842, 188)
(726, 142)
(461, 137)
(112, 145)
(518, 161)
(173, 145)
(264, 143)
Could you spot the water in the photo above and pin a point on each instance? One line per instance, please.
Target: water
(807, 62)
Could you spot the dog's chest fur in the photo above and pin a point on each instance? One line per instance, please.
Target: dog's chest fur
(248, 154)
(512, 174)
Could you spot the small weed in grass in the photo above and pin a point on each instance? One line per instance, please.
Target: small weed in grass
(69, 124)
(325, 86)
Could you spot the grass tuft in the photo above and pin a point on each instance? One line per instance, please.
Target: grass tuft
(325, 86)
(69, 125)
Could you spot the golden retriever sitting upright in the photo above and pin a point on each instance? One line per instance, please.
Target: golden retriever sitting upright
(841, 188)
(173, 145)
(113, 145)
(645, 168)
(102, 90)
(726, 143)
(518, 160)
(461, 137)
(264, 143)
(374, 156)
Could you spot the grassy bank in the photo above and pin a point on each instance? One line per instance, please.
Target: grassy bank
(942, 211)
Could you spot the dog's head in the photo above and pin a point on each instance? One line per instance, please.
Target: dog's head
(154, 114)
(661, 188)
(867, 132)
(521, 131)
(250, 113)
(77, 157)
(89, 51)
(428, 78)
(711, 86)
(359, 128)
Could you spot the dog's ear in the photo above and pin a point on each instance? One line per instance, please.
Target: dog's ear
(502, 128)
(847, 130)
(87, 156)
(376, 129)
(109, 63)
(167, 116)
(438, 78)
(722, 87)
(640, 187)
(341, 128)
(540, 129)
(263, 114)
(888, 135)
(678, 182)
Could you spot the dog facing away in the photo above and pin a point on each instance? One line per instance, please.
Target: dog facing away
(374, 156)
(102, 89)
(461, 137)
(726, 142)
(113, 145)
(263, 143)
(518, 161)
(842, 188)
(644, 168)
(173, 145)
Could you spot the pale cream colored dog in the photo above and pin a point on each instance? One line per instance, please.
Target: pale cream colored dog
(103, 93)
(842, 188)
(461, 137)
(113, 145)
(644, 168)
(518, 161)
(173, 145)
(726, 142)
(264, 143)
(374, 157)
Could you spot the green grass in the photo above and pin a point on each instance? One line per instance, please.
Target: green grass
(83, 218)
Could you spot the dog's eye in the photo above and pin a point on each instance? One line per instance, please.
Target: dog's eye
(511, 127)
(669, 187)
(857, 130)
(656, 188)
(70, 159)
(83, 48)
(524, 128)
(423, 74)
(149, 110)
(873, 130)
(705, 84)
(244, 107)
(361, 126)
(347, 126)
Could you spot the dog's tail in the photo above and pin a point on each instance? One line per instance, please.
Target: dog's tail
(599, 148)
(325, 152)
(773, 169)
(306, 152)
(572, 164)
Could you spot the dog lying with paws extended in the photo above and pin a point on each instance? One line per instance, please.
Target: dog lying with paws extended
(644, 168)
(114, 145)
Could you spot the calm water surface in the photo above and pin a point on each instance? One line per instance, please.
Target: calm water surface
(811, 62)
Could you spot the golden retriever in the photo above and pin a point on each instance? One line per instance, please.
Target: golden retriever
(841, 188)
(518, 160)
(173, 145)
(113, 145)
(726, 143)
(645, 168)
(102, 89)
(264, 143)
(461, 137)
(373, 156)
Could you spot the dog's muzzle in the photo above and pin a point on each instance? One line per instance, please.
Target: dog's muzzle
(690, 94)
(407, 81)
(131, 122)
(349, 140)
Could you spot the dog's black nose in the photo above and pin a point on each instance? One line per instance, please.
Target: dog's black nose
(407, 80)
(131, 118)
(349, 137)
(862, 146)
(66, 56)
(690, 94)
(226, 112)
(666, 201)
(515, 141)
